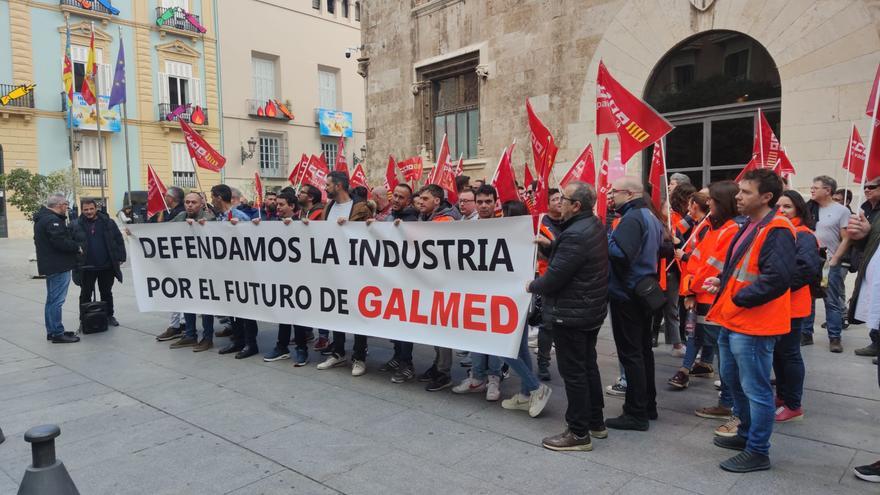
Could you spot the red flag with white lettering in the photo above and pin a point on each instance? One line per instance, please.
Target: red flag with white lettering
(411, 168)
(200, 151)
(854, 160)
(603, 186)
(618, 111)
(542, 194)
(258, 188)
(766, 147)
(391, 180)
(504, 180)
(657, 175)
(540, 137)
(341, 164)
(155, 193)
(299, 170)
(358, 177)
(872, 168)
(583, 169)
(527, 174)
(316, 173)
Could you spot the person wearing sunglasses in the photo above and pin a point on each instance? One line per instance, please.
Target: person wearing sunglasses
(868, 212)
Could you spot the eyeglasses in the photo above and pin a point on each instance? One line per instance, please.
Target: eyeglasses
(871, 187)
(566, 198)
(615, 191)
(465, 200)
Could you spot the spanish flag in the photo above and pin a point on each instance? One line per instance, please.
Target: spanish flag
(89, 88)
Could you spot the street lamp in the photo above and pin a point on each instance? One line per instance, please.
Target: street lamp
(249, 153)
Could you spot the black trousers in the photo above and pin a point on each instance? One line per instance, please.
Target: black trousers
(244, 331)
(300, 336)
(631, 326)
(105, 286)
(576, 359)
(358, 352)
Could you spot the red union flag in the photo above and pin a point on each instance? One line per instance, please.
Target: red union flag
(871, 170)
(155, 193)
(540, 137)
(200, 151)
(527, 176)
(657, 175)
(604, 186)
(618, 111)
(583, 169)
(316, 173)
(542, 194)
(766, 147)
(358, 177)
(504, 179)
(411, 168)
(784, 167)
(391, 180)
(258, 187)
(854, 160)
(299, 169)
(341, 165)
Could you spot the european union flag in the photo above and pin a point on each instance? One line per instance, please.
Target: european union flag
(117, 95)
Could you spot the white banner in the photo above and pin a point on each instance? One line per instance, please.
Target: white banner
(451, 284)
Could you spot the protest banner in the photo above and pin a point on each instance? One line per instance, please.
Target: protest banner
(459, 285)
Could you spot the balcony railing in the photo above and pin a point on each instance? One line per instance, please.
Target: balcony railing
(166, 111)
(177, 20)
(9, 96)
(94, 7)
(91, 177)
(257, 108)
(184, 179)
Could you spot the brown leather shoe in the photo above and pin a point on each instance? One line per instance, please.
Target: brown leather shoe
(835, 346)
(714, 412)
(702, 370)
(184, 342)
(226, 332)
(203, 345)
(568, 441)
(170, 333)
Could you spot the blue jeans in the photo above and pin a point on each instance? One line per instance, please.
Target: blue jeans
(789, 366)
(207, 326)
(695, 343)
(522, 366)
(746, 361)
(56, 293)
(710, 335)
(484, 365)
(835, 304)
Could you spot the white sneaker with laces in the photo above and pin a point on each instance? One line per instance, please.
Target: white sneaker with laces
(493, 388)
(358, 368)
(469, 385)
(538, 400)
(332, 362)
(518, 402)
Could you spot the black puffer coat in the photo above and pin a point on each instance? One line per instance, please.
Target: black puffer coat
(56, 248)
(112, 239)
(575, 286)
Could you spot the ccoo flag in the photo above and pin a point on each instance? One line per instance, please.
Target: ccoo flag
(872, 167)
(657, 175)
(199, 149)
(541, 139)
(854, 160)
(583, 169)
(603, 186)
(617, 111)
(155, 193)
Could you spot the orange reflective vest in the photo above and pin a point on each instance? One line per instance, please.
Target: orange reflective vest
(542, 263)
(708, 259)
(801, 299)
(687, 271)
(770, 318)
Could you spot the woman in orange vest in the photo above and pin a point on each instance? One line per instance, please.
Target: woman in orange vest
(788, 364)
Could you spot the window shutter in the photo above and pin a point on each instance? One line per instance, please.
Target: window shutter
(196, 92)
(87, 156)
(163, 88)
(105, 79)
(180, 161)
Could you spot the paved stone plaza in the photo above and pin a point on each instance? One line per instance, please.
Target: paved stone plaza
(137, 417)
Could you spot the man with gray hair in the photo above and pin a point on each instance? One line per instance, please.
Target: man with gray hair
(57, 252)
(831, 221)
(676, 179)
(574, 289)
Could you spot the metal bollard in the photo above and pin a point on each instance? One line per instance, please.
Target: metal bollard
(47, 474)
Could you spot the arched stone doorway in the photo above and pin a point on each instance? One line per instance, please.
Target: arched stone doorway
(710, 87)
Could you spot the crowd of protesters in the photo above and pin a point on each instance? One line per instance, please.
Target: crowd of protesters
(728, 274)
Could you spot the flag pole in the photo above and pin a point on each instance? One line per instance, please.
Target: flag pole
(868, 148)
(70, 105)
(198, 181)
(761, 137)
(98, 127)
(125, 132)
(666, 186)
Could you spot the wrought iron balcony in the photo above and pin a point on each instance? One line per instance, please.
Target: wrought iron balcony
(262, 109)
(185, 180)
(91, 177)
(173, 17)
(94, 7)
(16, 95)
(167, 113)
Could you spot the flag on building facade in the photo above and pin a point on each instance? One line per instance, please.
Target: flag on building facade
(657, 176)
(199, 150)
(618, 111)
(89, 90)
(67, 71)
(540, 138)
(155, 193)
(583, 169)
(117, 94)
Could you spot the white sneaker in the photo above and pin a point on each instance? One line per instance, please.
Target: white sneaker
(493, 388)
(518, 402)
(469, 385)
(332, 362)
(538, 400)
(717, 384)
(358, 368)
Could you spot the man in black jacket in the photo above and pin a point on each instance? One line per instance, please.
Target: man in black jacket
(103, 249)
(56, 257)
(575, 296)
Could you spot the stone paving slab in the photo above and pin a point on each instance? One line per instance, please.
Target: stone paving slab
(137, 417)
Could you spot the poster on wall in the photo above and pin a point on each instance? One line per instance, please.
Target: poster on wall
(85, 117)
(334, 123)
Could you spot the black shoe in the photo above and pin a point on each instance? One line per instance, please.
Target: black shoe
(627, 422)
(113, 322)
(868, 350)
(869, 472)
(64, 338)
(429, 374)
(735, 442)
(543, 372)
(247, 351)
(746, 462)
(391, 365)
(440, 381)
(806, 339)
(230, 348)
(834, 345)
(652, 415)
(328, 351)
(505, 371)
(71, 334)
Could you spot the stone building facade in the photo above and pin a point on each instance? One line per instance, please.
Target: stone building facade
(708, 66)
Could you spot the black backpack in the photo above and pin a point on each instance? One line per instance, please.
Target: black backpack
(93, 317)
